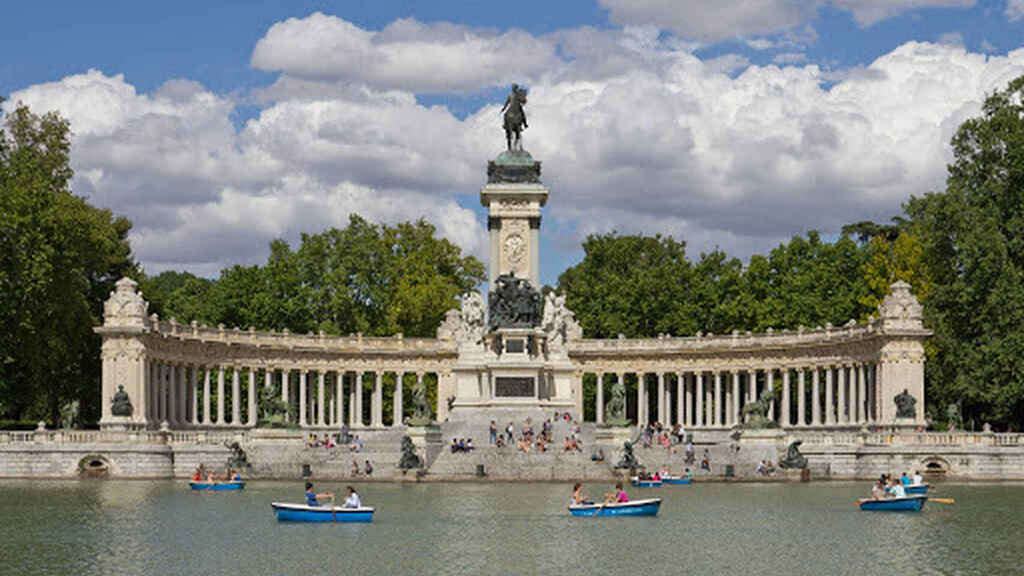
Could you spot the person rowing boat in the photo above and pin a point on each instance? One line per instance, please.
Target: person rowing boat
(619, 496)
(313, 499)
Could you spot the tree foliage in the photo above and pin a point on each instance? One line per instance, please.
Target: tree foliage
(59, 258)
(644, 286)
(972, 250)
(368, 278)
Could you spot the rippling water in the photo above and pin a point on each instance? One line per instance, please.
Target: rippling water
(150, 528)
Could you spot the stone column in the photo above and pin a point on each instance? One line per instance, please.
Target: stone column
(161, 397)
(358, 387)
(172, 375)
(816, 396)
(183, 395)
(716, 405)
(769, 382)
(681, 408)
(661, 399)
(339, 395)
(862, 404)
(172, 394)
(599, 398)
(195, 395)
(206, 396)
(377, 402)
(698, 412)
(220, 395)
(801, 398)
(352, 420)
(236, 397)
(396, 417)
(830, 410)
(303, 403)
(321, 395)
(251, 420)
(641, 398)
(841, 383)
(734, 405)
(786, 398)
(752, 385)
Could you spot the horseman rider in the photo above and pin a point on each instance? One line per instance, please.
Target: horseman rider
(515, 116)
(516, 99)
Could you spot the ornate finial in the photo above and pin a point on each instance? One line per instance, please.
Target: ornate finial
(125, 307)
(900, 310)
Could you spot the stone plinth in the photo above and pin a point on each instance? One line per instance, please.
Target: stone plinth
(761, 436)
(121, 424)
(614, 435)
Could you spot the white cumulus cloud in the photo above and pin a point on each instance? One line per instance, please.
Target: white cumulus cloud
(715, 20)
(1014, 9)
(406, 55)
(636, 133)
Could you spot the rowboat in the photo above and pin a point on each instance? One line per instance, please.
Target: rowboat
(916, 489)
(217, 486)
(645, 483)
(648, 507)
(906, 504)
(676, 480)
(303, 513)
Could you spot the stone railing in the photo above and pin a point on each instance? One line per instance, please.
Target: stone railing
(770, 339)
(877, 438)
(120, 437)
(285, 340)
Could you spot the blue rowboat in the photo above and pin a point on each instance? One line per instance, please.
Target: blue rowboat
(303, 513)
(645, 483)
(648, 507)
(676, 480)
(217, 486)
(907, 504)
(916, 489)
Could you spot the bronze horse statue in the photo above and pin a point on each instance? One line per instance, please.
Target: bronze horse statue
(515, 117)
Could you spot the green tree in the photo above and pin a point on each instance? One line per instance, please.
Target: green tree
(631, 285)
(59, 258)
(375, 279)
(972, 242)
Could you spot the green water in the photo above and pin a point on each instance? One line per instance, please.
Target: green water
(160, 527)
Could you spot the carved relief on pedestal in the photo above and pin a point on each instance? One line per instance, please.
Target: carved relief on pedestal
(515, 247)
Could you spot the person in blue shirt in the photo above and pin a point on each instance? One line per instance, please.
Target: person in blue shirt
(904, 479)
(312, 498)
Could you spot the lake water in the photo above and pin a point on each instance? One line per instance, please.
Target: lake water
(160, 527)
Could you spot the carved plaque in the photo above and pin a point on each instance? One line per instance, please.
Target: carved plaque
(514, 386)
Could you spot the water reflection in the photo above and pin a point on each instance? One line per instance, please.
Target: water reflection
(149, 528)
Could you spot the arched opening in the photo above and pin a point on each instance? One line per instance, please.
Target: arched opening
(94, 466)
(934, 467)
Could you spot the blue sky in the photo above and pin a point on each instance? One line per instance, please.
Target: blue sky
(651, 114)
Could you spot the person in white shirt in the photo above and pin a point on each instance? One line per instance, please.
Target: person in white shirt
(917, 480)
(351, 498)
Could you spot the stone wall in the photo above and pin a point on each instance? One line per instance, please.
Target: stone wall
(284, 455)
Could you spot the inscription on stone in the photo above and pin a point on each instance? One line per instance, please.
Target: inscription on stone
(514, 386)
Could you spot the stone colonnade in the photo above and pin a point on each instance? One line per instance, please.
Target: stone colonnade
(190, 375)
(185, 394)
(831, 395)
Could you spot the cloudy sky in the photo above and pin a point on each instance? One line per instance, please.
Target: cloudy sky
(217, 127)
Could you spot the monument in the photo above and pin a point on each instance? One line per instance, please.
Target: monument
(518, 361)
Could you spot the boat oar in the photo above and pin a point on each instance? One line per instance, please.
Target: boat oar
(603, 504)
(334, 512)
(942, 500)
